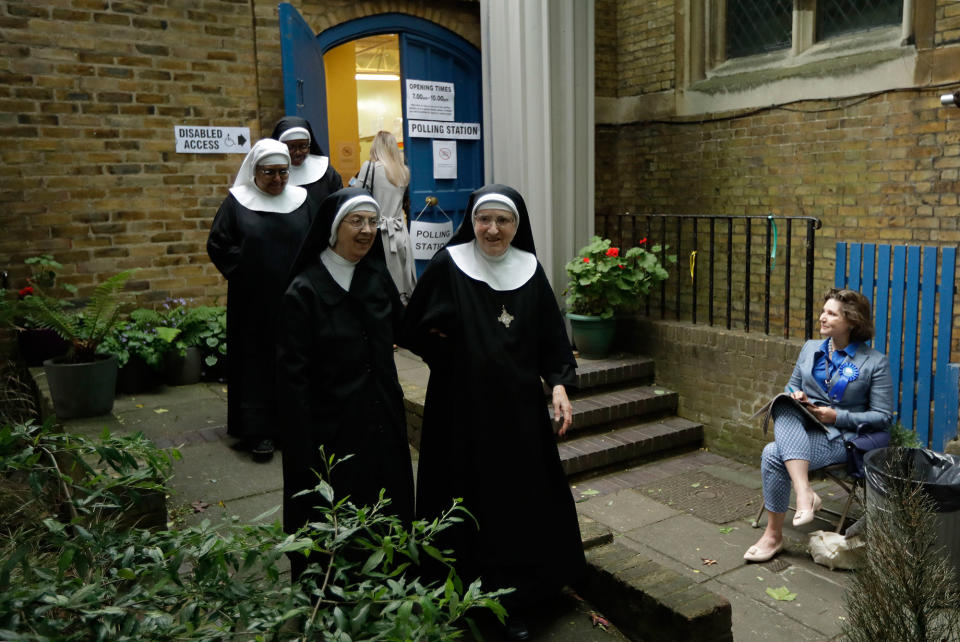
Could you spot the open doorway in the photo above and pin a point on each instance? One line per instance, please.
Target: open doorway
(363, 97)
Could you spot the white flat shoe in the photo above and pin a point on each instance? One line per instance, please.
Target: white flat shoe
(754, 554)
(802, 517)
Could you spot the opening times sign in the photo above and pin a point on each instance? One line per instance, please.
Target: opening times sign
(429, 100)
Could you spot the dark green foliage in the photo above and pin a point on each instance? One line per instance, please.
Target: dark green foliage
(901, 437)
(87, 327)
(907, 590)
(70, 571)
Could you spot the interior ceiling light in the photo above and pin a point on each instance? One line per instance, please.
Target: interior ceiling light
(376, 77)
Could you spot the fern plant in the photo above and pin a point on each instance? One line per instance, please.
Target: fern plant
(84, 328)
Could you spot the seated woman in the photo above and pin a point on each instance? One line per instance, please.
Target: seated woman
(848, 388)
(337, 378)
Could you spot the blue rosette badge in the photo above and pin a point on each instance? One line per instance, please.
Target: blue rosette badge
(848, 372)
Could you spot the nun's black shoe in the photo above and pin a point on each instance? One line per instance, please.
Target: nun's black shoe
(262, 451)
(515, 629)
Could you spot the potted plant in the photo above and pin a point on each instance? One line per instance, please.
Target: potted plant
(605, 282)
(82, 382)
(186, 329)
(212, 342)
(36, 344)
(141, 347)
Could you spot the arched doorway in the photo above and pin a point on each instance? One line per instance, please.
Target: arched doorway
(427, 53)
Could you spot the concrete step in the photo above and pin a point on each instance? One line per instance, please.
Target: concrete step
(615, 370)
(624, 444)
(602, 408)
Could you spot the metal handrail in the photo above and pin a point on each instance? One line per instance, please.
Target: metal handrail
(686, 232)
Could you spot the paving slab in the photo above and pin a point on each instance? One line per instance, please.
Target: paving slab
(692, 543)
(247, 509)
(214, 472)
(754, 621)
(162, 395)
(819, 599)
(625, 510)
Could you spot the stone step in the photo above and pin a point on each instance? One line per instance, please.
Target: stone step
(617, 446)
(618, 369)
(602, 408)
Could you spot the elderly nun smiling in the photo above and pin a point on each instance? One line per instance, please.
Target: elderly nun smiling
(309, 167)
(337, 377)
(254, 237)
(485, 319)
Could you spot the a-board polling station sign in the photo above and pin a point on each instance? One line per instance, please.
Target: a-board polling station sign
(211, 140)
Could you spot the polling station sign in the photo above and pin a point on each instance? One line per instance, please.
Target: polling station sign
(428, 238)
(211, 140)
(448, 131)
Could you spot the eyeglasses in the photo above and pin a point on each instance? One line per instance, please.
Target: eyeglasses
(485, 220)
(299, 147)
(357, 222)
(282, 173)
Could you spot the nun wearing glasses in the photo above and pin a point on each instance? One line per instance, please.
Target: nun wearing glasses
(338, 381)
(484, 318)
(309, 167)
(253, 240)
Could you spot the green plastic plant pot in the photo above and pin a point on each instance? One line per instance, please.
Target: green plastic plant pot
(593, 336)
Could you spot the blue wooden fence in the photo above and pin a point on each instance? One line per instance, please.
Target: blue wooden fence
(913, 314)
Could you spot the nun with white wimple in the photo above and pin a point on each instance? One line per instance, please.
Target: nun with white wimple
(310, 168)
(253, 241)
(338, 381)
(485, 319)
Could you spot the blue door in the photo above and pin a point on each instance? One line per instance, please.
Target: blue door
(425, 59)
(304, 84)
(427, 52)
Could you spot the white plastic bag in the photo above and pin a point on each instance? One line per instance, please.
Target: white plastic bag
(833, 550)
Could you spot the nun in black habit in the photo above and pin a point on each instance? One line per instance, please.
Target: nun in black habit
(337, 377)
(484, 318)
(253, 241)
(309, 167)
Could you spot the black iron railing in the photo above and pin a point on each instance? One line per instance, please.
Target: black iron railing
(733, 265)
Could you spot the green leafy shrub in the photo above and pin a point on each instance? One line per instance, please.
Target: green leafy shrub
(901, 437)
(603, 281)
(141, 335)
(78, 575)
(84, 328)
(190, 326)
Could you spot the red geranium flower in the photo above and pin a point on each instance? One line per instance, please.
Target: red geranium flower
(25, 292)
(642, 241)
(586, 259)
(613, 251)
(620, 265)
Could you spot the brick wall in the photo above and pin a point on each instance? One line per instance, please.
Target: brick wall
(605, 47)
(89, 98)
(89, 93)
(645, 41)
(722, 378)
(948, 22)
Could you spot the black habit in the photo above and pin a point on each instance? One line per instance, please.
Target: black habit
(487, 433)
(338, 381)
(254, 251)
(330, 182)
